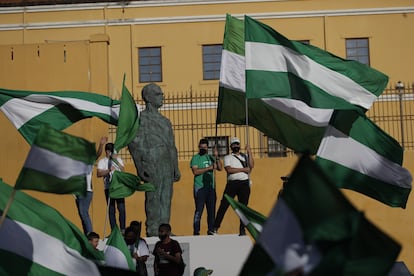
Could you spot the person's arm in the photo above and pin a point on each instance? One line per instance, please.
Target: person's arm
(101, 172)
(176, 258)
(102, 142)
(250, 157)
(231, 170)
(197, 171)
(156, 259)
(218, 165)
(229, 160)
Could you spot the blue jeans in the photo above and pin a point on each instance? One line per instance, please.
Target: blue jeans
(83, 203)
(207, 197)
(120, 204)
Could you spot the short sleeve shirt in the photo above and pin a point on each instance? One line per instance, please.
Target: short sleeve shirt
(103, 165)
(206, 179)
(231, 160)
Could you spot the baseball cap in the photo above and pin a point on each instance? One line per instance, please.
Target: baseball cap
(202, 271)
(234, 140)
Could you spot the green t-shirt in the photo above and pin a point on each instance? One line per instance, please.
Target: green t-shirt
(203, 161)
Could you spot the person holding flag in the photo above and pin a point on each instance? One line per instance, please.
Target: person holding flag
(106, 167)
(203, 165)
(238, 167)
(83, 202)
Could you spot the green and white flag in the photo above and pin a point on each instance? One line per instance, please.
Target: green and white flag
(117, 253)
(28, 110)
(124, 184)
(279, 67)
(128, 122)
(306, 124)
(253, 220)
(360, 156)
(314, 228)
(35, 239)
(57, 163)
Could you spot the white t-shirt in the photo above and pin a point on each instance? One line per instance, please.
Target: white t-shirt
(103, 165)
(231, 160)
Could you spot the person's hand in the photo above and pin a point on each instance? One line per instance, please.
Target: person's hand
(177, 176)
(161, 252)
(215, 152)
(103, 140)
(248, 149)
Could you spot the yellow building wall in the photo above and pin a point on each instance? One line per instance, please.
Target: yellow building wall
(98, 56)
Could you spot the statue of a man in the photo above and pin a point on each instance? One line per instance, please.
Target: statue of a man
(155, 156)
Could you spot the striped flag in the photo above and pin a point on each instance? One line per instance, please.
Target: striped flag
(35, 239)
(306, 124)
(28, 110)
(360, 156)
(57, 163)
(315, 230)
(117, 253)
(253, 220)
(128, 122)
(279, 67)
(124, 184)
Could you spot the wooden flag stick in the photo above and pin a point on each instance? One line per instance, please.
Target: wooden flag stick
(6, 209)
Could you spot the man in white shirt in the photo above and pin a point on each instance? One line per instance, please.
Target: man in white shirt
(106, 167)
(238, 167)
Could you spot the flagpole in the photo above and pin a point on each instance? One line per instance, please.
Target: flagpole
(247, 121)
(6, 209)
(106, 217)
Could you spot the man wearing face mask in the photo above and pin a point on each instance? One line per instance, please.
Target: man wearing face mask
(238, 167)
(168, 254)
(203, 165)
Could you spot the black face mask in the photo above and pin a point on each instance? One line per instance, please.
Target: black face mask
(129, 241)
(235, 149)
(162, 237)
(202, 151)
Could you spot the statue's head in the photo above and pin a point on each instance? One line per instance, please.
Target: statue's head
(152, 94)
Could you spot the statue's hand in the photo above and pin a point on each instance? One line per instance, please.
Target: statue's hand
(145, 177)
(177, 176)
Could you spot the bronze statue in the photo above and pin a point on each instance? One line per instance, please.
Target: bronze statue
(155, 156)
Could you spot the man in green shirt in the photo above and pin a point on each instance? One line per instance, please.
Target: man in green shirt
(203, 165)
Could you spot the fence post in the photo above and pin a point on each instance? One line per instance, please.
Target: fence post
(400, 89)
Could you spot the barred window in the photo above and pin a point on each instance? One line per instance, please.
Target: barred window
(222, 143)
(275, 149)
(150, 66)
(358, 49)
(211, 61)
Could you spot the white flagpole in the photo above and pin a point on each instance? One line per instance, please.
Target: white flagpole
(106, 216)
(247, 121)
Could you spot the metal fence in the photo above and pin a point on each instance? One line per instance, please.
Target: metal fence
(193, 116)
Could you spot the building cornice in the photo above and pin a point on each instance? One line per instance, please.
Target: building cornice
(188, 19)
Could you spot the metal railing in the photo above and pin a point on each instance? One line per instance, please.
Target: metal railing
(193, 116)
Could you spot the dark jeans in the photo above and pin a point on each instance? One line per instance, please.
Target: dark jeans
(83, 203)
(239, 188)
(207, 197)
(120, 203)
